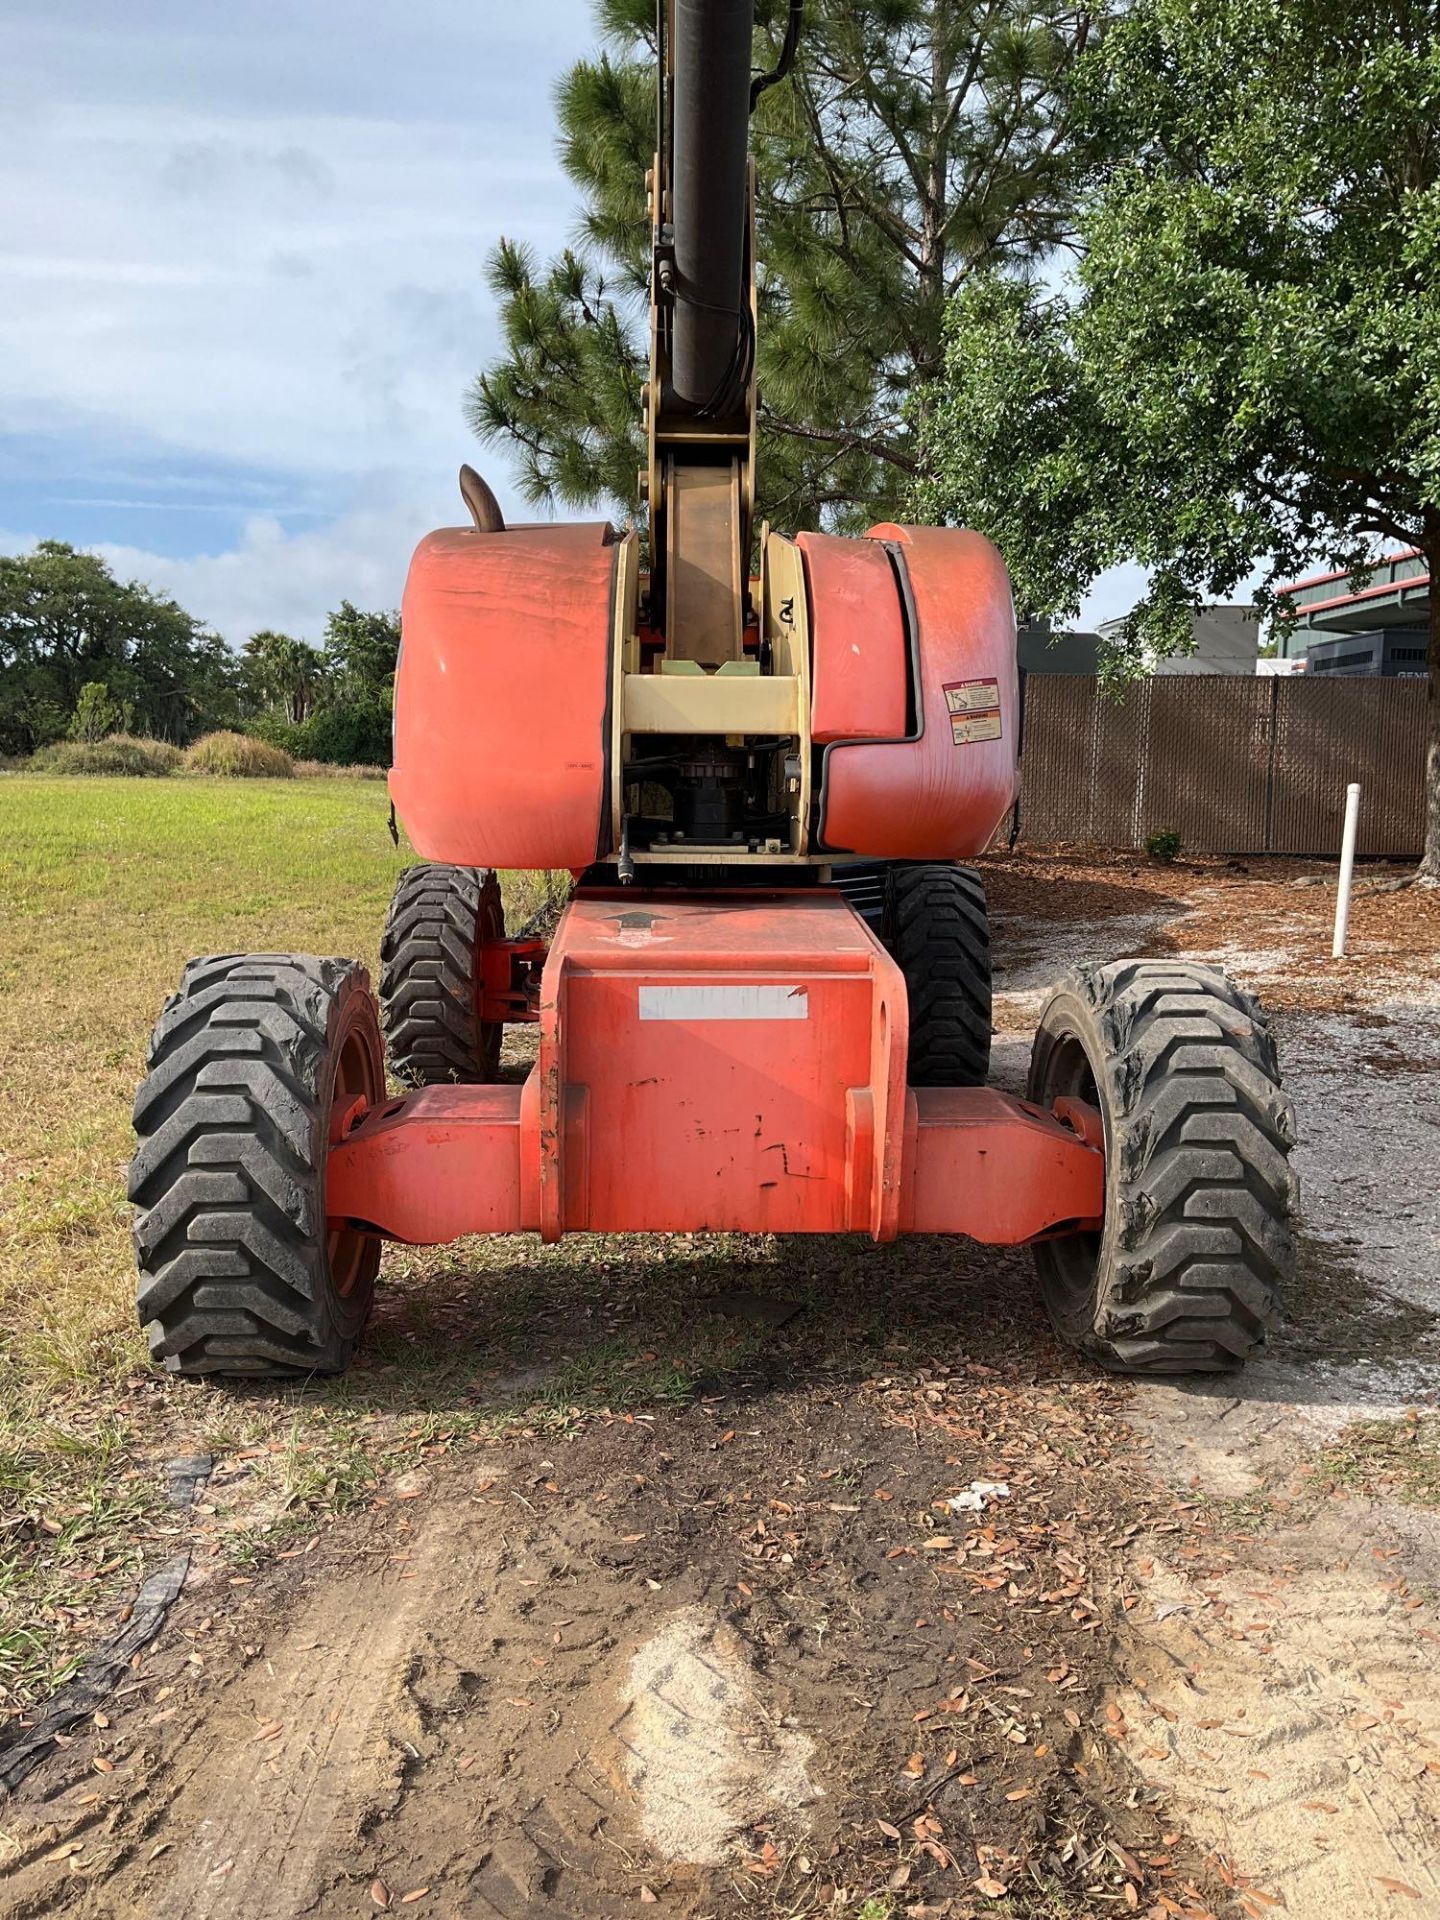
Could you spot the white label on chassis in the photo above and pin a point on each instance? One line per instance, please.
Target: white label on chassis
(724, 1003)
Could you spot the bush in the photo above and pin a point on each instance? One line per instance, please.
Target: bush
(121, 753)
(96, 716)
(287, 735)
(1164, 846)
(355, 733)
(238, 756)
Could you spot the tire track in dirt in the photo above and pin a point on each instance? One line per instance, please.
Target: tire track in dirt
(279, 1762)
(729, 1659)
(1308, 1751)
(267, 1812)
(1289, 1710)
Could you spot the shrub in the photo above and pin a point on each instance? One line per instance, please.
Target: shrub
(352, 733)
(96, 715)
(121, 753)
(355, 733)
(1164, 845)
(287, 735)
(238, 756)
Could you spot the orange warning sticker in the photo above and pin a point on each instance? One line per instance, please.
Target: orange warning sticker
(974, 707)
(968, 727)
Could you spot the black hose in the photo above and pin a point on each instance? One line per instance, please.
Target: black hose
(764, 81)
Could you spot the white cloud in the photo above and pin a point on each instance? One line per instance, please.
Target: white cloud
(238, 316)
(200, 169)
(284, 578)
(255, 236)
(289, 578)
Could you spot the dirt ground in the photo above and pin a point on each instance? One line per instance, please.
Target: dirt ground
(1285, 1694)
(902, 1609)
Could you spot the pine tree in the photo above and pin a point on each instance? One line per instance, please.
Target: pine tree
(915, 143)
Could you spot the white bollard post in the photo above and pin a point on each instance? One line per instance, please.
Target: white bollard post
(1347, 871)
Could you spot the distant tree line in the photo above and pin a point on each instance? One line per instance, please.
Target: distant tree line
(331, 702)
(83, 655)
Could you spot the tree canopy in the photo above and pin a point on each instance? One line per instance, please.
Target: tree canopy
(67, 623)
(331, 702)
(361, 650)
(84, 654)
(283, 673)
(1246, 371)
(914, 143)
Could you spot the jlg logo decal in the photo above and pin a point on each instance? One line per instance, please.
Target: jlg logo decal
(974, 707)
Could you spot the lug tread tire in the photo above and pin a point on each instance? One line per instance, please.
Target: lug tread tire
(228, 1175)
(939, 932)
(1197, 1242)
(429, 989)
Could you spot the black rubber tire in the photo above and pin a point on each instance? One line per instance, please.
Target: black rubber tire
(937, 927)
(1186, 1274)
(429, 976)
(248, 1063)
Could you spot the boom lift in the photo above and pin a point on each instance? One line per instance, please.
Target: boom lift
(766, 1007)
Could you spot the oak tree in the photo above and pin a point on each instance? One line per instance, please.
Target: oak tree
(1245, 372)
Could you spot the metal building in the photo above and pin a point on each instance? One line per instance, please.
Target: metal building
(1396, 655)
(1041, 650)
(1379, 632)
(1225, 640)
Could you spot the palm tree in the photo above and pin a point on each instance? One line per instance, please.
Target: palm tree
(285, 673)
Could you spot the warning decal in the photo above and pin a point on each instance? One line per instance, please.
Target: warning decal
(974, 707)
(974, 726)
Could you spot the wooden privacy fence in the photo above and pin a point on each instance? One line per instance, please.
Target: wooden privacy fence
(1233, 765)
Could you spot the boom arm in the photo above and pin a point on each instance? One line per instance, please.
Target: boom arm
(709, 174)
(701, 401)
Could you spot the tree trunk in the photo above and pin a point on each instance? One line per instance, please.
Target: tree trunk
(1429, 875)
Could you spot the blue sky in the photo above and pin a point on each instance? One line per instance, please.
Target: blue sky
(241, 281)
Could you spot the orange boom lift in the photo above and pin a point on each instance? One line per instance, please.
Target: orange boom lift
(766, 1007)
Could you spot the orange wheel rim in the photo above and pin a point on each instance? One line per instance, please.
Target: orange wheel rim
(354, 1080)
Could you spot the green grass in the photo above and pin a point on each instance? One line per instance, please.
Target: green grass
(107, 887)
(72, 1503)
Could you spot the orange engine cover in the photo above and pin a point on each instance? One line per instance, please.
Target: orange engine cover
(501, 696)
(939, 790)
